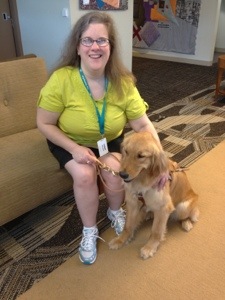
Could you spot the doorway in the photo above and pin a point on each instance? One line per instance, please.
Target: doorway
(10, 38)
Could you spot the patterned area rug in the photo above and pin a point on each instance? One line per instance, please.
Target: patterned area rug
(191, 127)
(37, 243)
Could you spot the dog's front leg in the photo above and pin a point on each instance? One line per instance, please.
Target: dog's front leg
(134, 215)
(157, 233)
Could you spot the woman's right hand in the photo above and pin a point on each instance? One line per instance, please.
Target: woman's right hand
(83, 155)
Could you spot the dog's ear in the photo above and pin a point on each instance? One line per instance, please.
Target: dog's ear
(158, 163)
(122, 147)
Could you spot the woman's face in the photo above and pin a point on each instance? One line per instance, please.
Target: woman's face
(94, 58)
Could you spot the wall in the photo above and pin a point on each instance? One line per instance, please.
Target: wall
(220, 38)
(44, 30)
(205, 42)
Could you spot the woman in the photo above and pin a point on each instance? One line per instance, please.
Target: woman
(82, 111)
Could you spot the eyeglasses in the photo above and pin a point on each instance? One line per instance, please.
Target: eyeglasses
(88, 42)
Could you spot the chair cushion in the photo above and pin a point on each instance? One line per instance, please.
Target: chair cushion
(29, 175)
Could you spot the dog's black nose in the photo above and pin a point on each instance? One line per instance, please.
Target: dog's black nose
(123, 175)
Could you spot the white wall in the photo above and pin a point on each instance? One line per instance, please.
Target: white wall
(44, 30)
(205, 41)
(220, 38)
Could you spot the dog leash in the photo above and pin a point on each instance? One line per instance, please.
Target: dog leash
(181, 169)
(100, 166)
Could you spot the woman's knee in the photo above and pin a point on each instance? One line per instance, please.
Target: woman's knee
(83, 175)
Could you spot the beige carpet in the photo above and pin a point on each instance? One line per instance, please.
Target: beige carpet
(186, 266)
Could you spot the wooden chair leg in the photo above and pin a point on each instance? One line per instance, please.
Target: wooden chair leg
(218, 81)
(221, 70)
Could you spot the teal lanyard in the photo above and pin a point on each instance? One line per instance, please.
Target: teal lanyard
(101, 117)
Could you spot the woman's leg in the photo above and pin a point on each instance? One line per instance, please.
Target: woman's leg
(85, 191)
(87, 200)
(114, 192)
(113, 187)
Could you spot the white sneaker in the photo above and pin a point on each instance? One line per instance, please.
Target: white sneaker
(88, 249)
(117, 219)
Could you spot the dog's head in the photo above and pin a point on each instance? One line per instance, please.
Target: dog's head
(141, 155)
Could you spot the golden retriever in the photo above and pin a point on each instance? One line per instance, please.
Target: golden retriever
(143, 164)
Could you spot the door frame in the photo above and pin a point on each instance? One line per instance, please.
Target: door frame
(16, 27)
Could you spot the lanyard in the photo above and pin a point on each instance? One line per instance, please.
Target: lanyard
(101, 117)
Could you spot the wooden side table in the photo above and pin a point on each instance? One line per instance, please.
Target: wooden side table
(221, 70)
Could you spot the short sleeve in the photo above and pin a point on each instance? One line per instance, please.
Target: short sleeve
(136, 106)
(50, 97)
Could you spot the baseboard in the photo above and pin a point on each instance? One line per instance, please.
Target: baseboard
(220, 50)
(164, 56)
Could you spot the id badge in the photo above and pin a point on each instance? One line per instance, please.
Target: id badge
(102, 147)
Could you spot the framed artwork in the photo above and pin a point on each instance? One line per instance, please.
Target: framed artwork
(104, 4)
(166, 25)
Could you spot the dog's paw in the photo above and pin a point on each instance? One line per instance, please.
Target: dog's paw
(146, 252)
(115, 243)
(187, 225)
(195, 215)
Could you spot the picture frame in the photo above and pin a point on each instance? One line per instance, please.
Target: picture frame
(103, 5)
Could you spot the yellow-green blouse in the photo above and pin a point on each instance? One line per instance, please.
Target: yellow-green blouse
(66, 94)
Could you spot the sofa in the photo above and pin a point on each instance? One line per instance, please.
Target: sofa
(29, 174)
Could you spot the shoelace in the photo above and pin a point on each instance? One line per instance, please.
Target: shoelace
(88, 239)
(119, 219)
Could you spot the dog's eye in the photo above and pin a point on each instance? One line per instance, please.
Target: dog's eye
(141, 155)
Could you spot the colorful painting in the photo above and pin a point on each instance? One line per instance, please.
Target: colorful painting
(166, 25)
(104, 4)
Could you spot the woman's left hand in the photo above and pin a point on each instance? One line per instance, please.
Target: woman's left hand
(162, 180)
